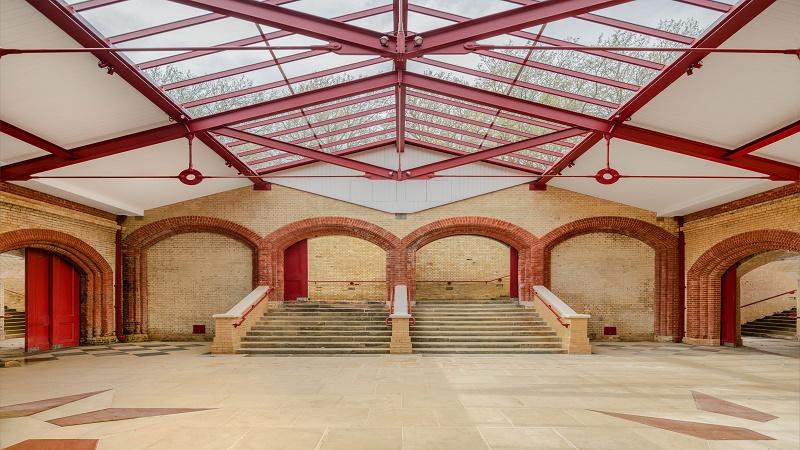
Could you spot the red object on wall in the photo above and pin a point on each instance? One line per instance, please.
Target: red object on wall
(295, 271)
(65, 291)
(513, 289)
(52, 301)
(37, 300)
(727, 332)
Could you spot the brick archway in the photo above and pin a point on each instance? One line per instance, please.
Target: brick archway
(98, 322)
(279, 240)
(135, 247)
(704, 278)
(665, 244)
(508, 233)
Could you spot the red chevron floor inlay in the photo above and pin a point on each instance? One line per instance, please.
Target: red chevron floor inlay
(111, 414)
(26, 409)
(55, 444)
(713, 404)
(707, 431)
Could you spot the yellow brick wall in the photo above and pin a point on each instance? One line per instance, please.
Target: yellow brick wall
(609, 276)
(334, 259)
(12, 279)
(702, 234)
(463, 258)
(191, 277)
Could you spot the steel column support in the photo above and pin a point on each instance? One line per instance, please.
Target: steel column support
(34, 140)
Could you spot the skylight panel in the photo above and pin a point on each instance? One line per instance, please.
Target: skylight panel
(133, 15)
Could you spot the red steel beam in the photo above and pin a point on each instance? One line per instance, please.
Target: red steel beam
(546, 40)
(450, 39)
(428, 169)
(24, 169)
(776, 170)
(370, 169)
(356, 40)
(513, 104)
(219, 149)
(326, 146)
(723, 29)
(34, 140)
(307, 161)
(452, 151)
(708, 4)
(765, 140)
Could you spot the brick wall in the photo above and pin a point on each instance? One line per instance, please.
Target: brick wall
(191, 277)
(12, 276)
(463, 258)
(341, 268)
(609, 276)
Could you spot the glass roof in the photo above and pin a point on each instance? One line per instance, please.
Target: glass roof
(205, 82)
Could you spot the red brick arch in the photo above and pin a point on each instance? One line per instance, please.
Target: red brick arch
(665, 244)
(704, 277)
(136, 244)
(98, 323)
(279, 240)
(508, 233)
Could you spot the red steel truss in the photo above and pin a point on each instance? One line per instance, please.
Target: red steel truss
(521, 150)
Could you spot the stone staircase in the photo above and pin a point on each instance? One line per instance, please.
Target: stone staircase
(780, 325)
(15, 324)
(480, 326)
(320, 328)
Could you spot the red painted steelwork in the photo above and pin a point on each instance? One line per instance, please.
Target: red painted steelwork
(763, 141)
(452, 151)
(371, 169)
(448, 39)
(769, 298)
(306, 161)
(237, 164)
(34, 140)
(354, 39)
(552, 310)
(681, 280)
(118, 330)
(490, 153)
(250, 309)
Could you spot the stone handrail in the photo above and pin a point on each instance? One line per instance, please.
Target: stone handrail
(231, 326)
(570, 326)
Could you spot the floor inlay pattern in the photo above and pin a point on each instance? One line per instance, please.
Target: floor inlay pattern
(55, 444)
(112, 414)
(705, 431)
(124, 349)
(30, 408)
(713, 404)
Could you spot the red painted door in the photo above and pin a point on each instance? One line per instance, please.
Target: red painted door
(727, 333)
(514, 274)
(37, 300)
(65, 302)
(295, 271)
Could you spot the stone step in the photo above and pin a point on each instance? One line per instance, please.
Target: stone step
(469, 312)
(490, 332)
(303, 344)
(429, 327)
(486, 318)
(306, 320)
(456, 344)
(384, 332)
(790, 337)
(489, 339)
(318, 339)
(466, 302)
(769, 330)
(492, 323)
(314, 351)
(489, 351)
(318, 327)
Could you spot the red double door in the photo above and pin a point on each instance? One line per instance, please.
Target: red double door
(295, 271)
(52, 301)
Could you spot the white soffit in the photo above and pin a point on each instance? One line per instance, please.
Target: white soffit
(735, 98)
(666, 197)
(786, 150)
(404, 196)
(13, 150)
(133, 196)
(63, 98)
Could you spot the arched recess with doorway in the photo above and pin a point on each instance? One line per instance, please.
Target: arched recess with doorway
(179, 231)
(95, 273)
(275, 245)
(705, 279)
(517, 238)
(666, 303)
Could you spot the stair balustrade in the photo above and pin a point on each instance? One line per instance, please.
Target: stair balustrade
(230, 327)
(570, 326)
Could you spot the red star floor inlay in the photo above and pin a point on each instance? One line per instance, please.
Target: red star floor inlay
(111, 414)
(707, 431)
(55, 444)
(26, 409)
(713, 404)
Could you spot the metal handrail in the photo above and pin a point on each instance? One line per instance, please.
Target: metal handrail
(250, 309)
(769, 298)
(552, 310)
(465, 281)
(347, 281)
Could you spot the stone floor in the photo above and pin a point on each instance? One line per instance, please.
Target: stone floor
(625, 396)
